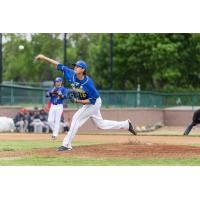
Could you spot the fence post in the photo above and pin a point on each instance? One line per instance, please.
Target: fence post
(11, 94)
(138, 95)
(43, 97)
(193, 102)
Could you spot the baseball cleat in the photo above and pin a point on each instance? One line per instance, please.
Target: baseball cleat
(53, 137)
(131, 129)
(63, 148)
(188, 129)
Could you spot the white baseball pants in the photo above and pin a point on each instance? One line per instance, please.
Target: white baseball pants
(91, 111)
(54, 117)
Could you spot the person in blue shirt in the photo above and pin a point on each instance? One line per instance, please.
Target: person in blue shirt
(57, 95)
(90, 99)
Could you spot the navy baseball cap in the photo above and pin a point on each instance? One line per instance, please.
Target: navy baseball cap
(58, 79)
(81, 64)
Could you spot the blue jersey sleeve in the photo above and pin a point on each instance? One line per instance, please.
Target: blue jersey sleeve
(92, 92)
(68, 73)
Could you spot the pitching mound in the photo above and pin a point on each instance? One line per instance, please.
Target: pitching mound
(148, 150)
(125, 150)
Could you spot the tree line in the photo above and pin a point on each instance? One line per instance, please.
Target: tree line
(156, 61)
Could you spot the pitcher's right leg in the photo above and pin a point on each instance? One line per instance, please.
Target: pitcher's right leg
(79, 118)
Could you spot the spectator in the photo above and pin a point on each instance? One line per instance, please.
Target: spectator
(37, 124)
(31, 117)
(26, 120)
(36, 121)
(44, 119)
(21, 121)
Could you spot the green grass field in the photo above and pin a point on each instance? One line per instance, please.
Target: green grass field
(75, 161)
(54, 161)
(26, 145)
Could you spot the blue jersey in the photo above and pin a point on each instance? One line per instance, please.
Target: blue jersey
(86, 87)
(57, 95)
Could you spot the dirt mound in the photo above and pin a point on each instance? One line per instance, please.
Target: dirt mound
(148, 150)
(125, 150)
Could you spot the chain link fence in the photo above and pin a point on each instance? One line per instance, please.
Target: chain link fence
(26, 95)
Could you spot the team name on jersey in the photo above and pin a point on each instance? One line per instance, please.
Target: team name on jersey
(80, 89)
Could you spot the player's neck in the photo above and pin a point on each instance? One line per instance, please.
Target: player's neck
(80, 76)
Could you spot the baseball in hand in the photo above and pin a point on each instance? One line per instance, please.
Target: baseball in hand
(39, 57)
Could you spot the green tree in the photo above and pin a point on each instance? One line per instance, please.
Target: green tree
(167, 62)
(19, 65)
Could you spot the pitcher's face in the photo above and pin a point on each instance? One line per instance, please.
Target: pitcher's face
(78, 70)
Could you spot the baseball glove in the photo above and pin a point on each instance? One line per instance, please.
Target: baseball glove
(72, 96)
(53, 92)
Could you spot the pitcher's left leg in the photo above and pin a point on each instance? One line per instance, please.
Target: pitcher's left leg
(109, 124)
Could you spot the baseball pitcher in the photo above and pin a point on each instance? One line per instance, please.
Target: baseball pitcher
(90, 99)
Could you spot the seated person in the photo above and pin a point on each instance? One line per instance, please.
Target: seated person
(37, 124)
(21, 121)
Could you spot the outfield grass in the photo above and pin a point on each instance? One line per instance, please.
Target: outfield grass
(59, 161)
